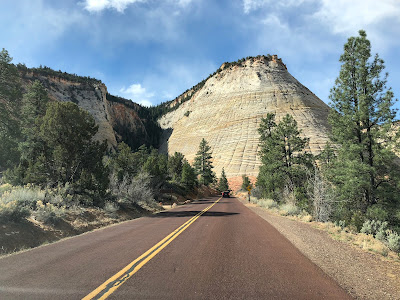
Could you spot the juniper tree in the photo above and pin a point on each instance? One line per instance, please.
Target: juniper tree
(203, 164)
(361, 118)
(68, 153)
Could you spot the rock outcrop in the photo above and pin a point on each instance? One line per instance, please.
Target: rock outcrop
(227, 112)
(118, 119)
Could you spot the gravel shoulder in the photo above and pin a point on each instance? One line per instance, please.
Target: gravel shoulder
(363, 275)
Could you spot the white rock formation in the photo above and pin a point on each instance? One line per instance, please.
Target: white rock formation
(227, 112)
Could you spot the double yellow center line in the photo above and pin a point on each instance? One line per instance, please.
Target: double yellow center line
(109, 286)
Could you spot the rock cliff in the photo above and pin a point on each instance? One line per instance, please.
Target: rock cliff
(227, 112)
(118, 119)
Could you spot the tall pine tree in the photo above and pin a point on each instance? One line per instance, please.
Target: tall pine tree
(203, 164)
(284, 161)
(361, 117)
(223, 184)
(10, 96)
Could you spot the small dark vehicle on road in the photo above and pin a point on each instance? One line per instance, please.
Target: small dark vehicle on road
(226, 194)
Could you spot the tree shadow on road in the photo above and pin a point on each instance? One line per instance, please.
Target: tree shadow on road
(192, 213)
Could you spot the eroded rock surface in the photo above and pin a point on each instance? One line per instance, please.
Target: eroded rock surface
(118, 119)
(227, 112)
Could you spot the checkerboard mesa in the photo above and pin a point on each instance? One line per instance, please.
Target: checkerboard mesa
(226, 109)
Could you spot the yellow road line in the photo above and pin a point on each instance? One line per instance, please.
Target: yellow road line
(109, 286)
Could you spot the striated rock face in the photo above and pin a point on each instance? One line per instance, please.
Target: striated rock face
(118, 119)
(227, 112)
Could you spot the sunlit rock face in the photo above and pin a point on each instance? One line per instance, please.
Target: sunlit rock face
(117, 119)
(227, 112)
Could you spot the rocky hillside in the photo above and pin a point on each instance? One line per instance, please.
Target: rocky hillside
(227, 109)
(118, 119)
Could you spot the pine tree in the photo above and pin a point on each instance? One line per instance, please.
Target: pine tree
(223, 184)
(34, 104)
(203, 164)
(361, 117)
(175, 165)
(284, 161)
(122, 163)
(68, 153)
(10, 95)
(189, 178)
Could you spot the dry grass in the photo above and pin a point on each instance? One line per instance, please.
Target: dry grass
(365, 242)
(362, 241)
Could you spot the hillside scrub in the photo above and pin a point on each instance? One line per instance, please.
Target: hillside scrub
(50, 146)
(369, 239)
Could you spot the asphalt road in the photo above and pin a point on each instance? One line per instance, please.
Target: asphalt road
(225, 252)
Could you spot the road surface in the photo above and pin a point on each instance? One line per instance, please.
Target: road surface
(210, 249)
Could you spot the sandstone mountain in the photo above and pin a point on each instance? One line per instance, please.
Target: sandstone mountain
(118, 119)
(227, 108)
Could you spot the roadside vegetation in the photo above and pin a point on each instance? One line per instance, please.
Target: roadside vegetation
(355, 182)
(53, 172)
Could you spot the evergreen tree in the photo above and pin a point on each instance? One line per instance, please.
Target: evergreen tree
(245, 182)
(284, 161)
(364, 173)
(123, 162)
(10, 95)
(175, 165)
(189, 177)
(223, 184)
(156, 165)
(68, 153)
(327, 156)
(34, 104)
(203, 164)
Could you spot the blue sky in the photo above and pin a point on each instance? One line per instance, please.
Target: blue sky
(153, 50)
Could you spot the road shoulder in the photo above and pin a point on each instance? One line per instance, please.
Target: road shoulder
(362, 274)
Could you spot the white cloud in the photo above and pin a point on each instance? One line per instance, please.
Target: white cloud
(120, 5)
(99, 5)
(138, 94)
(251, 5)
(344, 16)
(340, 16)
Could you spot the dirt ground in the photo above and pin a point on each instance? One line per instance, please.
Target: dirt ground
(364, 275)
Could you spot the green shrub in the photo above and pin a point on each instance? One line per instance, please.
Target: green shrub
(381, 235)
(111, 209)
(26, 196)
(13, 211)
(357, 220)
(341, 224)
(5, 188)
(393, 241)
(377, 212)
(48, 213)
(374, 227)
(16, 203)
(267, 203)
(289, 210)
